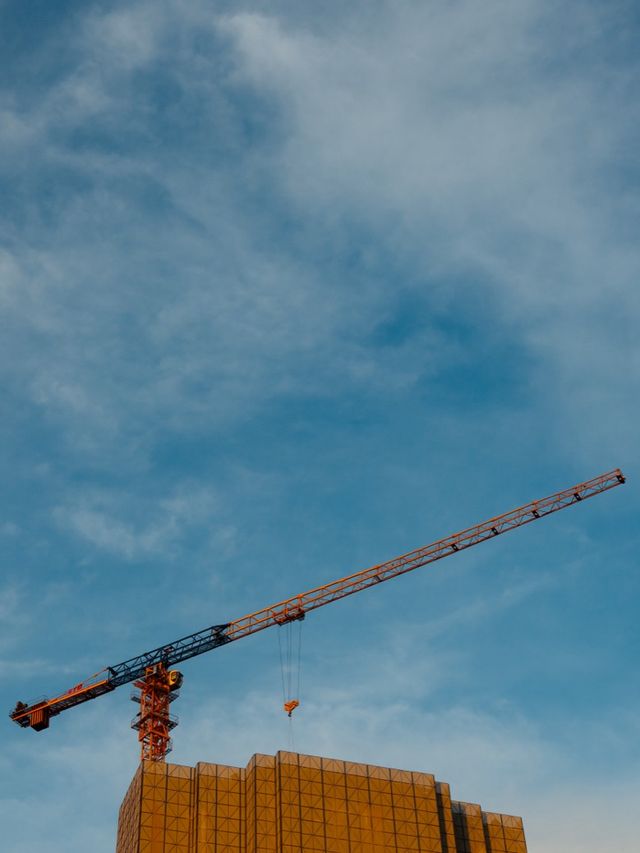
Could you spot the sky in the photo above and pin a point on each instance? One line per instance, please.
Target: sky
(288, 289)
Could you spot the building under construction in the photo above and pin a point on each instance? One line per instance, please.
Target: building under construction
(289, 802)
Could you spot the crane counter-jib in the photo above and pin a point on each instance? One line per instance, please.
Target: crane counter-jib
(37, 715)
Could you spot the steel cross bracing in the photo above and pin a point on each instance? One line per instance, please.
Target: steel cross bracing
(37, 715)
(183, 649)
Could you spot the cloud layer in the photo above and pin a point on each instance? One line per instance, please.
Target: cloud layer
(288, 290)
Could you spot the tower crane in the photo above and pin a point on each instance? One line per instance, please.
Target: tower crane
(158, 684)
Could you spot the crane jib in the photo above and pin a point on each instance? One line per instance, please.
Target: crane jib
(37, 715)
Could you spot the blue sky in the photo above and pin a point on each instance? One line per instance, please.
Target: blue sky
(288, 289)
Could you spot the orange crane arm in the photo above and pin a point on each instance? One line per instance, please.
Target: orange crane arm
(37, 715)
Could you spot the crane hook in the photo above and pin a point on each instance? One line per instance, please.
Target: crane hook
(290, 707)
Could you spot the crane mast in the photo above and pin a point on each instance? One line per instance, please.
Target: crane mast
(158, 685)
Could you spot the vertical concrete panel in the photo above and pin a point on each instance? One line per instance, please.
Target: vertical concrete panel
(129, 817)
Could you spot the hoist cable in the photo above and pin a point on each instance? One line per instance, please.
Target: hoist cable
(289, 658)
(284, 694)
(299, 659)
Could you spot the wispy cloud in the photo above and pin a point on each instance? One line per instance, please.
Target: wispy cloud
(450, 129)
(110, 335)
(98, 518)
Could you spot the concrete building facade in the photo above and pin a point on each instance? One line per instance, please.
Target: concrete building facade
(289, 803)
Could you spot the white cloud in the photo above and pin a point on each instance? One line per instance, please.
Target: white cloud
(197, 318)
(98, 519)
(457, 132)
(450, 119)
